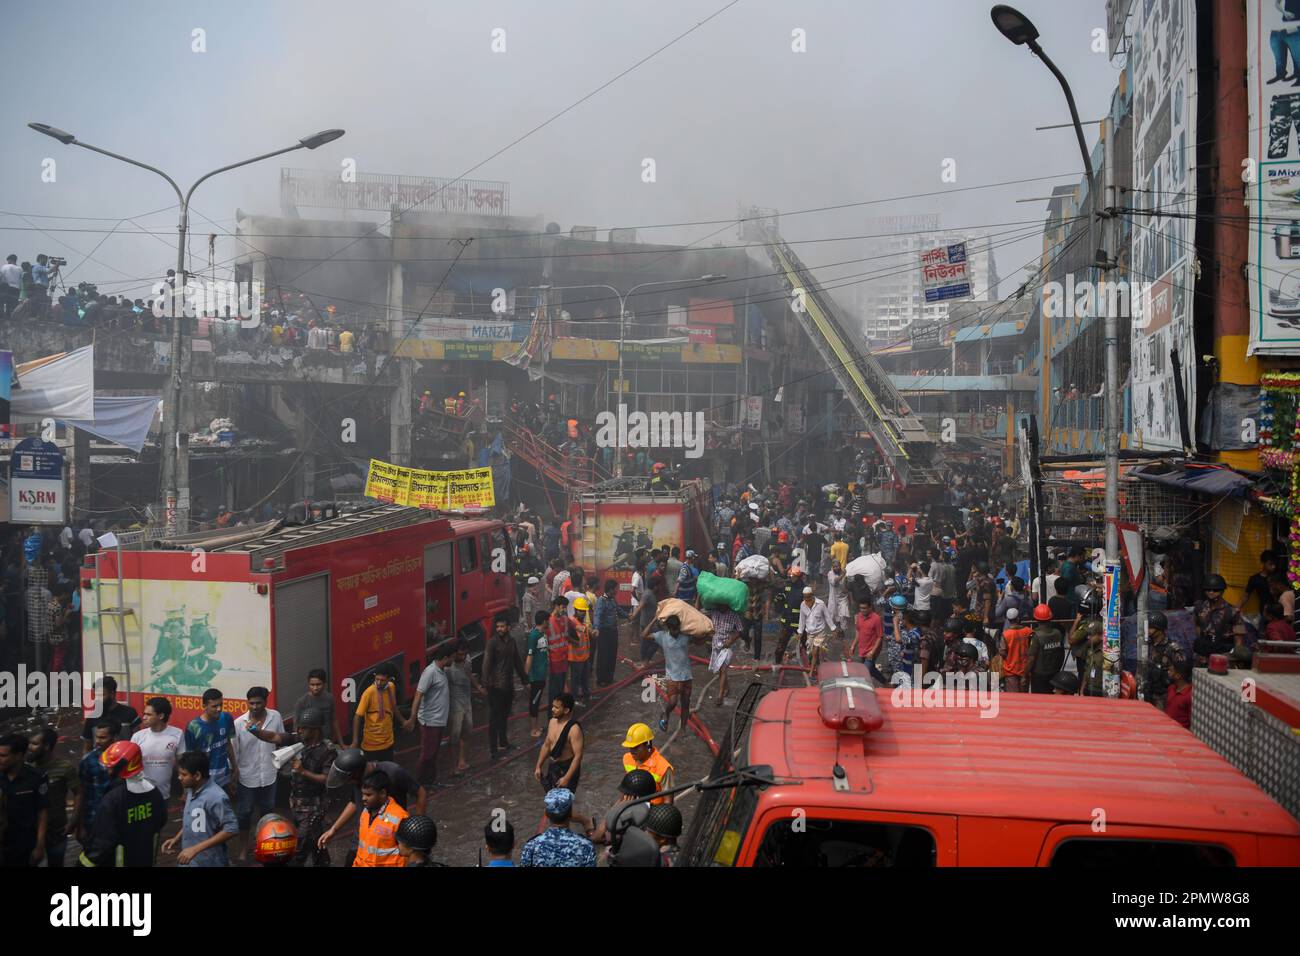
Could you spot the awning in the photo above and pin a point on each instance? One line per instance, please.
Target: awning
(1215, 480)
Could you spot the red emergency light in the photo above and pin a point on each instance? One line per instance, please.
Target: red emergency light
(848, 698)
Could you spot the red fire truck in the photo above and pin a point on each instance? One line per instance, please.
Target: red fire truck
(612, 520)
(261, 606)
(847, 774)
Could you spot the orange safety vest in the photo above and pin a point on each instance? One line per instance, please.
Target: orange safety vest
(377, 836)
(657, 765)
(580, 647)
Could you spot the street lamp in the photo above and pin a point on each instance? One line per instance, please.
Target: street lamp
(622, 322)
(1017, 28)
(175, 456)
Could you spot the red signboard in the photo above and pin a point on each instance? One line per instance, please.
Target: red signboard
(712, 312)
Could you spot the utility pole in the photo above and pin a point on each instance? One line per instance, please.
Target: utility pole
(1017, 28)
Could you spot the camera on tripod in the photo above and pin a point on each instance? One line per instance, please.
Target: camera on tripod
(56, 262)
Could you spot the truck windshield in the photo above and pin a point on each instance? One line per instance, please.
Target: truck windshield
(722, 816)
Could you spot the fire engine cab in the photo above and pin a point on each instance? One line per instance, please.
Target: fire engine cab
(846, 774)
(261, 606)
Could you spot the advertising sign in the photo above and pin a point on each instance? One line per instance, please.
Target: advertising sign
(753, 412)
(945, 273)
(417, 488)
(6, 383)
(1111, 644)
(36, 489)
(1162, 60)
(1273, 107)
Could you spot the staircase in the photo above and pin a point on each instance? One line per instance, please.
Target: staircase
(570, 471)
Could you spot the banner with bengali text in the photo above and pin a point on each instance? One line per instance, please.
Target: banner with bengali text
(416, 488)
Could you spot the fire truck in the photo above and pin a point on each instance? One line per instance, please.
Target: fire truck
(614, 519)
(847, 774)
(261, 606)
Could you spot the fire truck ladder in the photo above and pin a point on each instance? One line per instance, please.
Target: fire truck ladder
(115, 610)
(369, 521)
(898, 433)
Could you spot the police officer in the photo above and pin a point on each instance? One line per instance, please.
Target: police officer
(25, 793)
(416, 838)
(664, 823)
(1161, 653)
(307, 787)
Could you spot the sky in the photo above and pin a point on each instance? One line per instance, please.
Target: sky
(879, 98)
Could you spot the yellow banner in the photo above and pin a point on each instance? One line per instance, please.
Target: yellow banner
(416, 488)
(387, 482)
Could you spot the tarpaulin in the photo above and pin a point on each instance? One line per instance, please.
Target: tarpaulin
(1213, 480)
(62, 387)
(122, 419)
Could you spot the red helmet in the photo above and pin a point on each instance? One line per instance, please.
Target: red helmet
(123, 756)
(275, 840)
(1042, 613)
(783, 536)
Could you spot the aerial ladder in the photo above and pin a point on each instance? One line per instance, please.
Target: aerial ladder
(904, 443)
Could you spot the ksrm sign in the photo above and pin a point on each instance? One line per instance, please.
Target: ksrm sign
(36, 491)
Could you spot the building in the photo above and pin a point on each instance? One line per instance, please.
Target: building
(893, 298)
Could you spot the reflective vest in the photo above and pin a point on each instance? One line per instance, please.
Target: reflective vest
(657, 765)
(580, 646)
(377, 836)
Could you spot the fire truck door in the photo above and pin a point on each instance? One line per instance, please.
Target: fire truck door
(301, 635)
(439, 602)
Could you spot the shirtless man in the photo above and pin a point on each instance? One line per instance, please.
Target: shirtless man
(563, 745)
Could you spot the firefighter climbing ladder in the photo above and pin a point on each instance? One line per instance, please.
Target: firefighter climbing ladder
(897, 432)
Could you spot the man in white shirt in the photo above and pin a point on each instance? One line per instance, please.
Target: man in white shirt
(815, 627)
(87, 536)
(11, 283)
(255, 796)
(159, 744)
(924, 587)
(65, 537)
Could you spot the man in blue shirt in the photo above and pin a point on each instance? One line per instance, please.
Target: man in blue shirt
(606, 621)
(94, 778)
(213, 733)
(208, 821)
(677, 667)
(557, 845)
(499, 836)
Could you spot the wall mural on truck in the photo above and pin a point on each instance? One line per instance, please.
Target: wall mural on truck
(187, 636)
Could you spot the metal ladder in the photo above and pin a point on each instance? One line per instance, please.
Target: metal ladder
(589, 543)
(118, 612)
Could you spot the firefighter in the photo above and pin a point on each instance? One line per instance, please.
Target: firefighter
(416, 838)
(275, 841)
(131, 813)
(377, 828)
(426, 401)
(307, 786)
(788, 600)
(449, 405)
(641, 755)
(460, 403)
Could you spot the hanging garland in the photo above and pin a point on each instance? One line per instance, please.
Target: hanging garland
(1279, 448)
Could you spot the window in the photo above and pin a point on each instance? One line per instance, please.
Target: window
(1139, 853)
(468, 554)
(845, 843)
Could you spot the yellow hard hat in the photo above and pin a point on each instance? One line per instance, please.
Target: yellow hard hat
(637, 735)
(580, 604)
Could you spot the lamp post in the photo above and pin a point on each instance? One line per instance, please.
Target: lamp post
(622, 323)
(175, 453)
(1017, 28)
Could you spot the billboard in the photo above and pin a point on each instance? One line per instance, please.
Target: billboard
(623, 528)
(1162, 61)
(1272, 42)
(37, 493)
(6, 383)
(945, 273)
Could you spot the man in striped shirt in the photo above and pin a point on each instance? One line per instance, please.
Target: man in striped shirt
(727, 629)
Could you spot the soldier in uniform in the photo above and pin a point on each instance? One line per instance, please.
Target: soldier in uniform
(1161, 654)
(308, 797)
